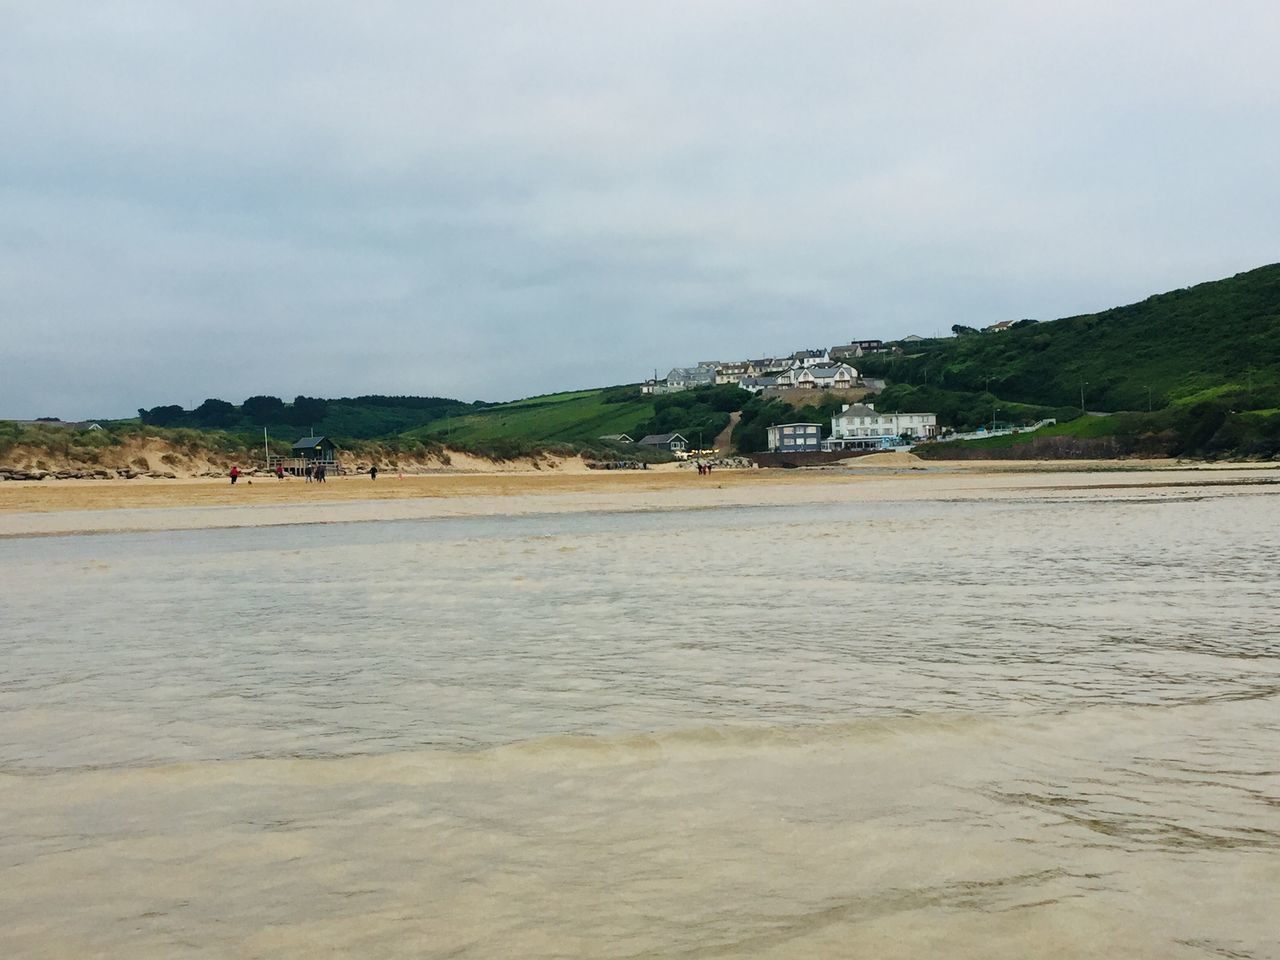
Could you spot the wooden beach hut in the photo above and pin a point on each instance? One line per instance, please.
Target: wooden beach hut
(310, 452)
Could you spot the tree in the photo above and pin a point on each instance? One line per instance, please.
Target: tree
(215, 413)
(307, 411)
(960, 330)
(166, 416)
(262, 409)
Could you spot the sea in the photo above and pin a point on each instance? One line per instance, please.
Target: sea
(1008, 728)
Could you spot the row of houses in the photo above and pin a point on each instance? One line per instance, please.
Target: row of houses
(816, 369)
(858, 426)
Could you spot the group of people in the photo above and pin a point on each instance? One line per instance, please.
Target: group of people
(314, 472)
(703, 468)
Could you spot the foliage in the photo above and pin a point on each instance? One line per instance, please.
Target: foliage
(1198, 343)
(581, 416)
(758, 414)
(346, 419)
(699, 415)
(963, 410)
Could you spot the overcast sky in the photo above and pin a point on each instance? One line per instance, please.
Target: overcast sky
(491, 200)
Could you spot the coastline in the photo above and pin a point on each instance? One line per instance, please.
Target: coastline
(66, 507)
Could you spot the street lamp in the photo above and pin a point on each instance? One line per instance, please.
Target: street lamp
(1083, 383)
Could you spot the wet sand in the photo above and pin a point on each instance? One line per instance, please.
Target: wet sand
(105, 506)
(58, 495)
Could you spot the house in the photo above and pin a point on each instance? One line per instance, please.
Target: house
(687, 378)
(860, 425)
(810, 358)
(313, 449)
(732, 371)
(1002, 327)
(616, 438)
(768, 366)
(650, 387)
(911, 338)
(671, 442)
(795, 438)
(756, 384)
(819, 378)
(857, 348)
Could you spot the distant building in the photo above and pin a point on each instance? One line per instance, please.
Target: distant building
(687, 378)
(1001, 327)
(733, 371)
(810, 358)
(795, 437)
(861, 425)
(912, 338)
(839, 376)
(616, 438)
(671, 442)
(768, 366)
(856, 348)
(756, 384)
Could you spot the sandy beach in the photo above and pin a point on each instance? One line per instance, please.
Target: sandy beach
(55, 507)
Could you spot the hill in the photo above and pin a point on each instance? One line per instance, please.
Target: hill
(582, 417)
(1192, 372)
(1215, 341)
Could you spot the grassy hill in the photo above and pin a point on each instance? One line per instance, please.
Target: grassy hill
(1195, 371)
(1217, 341)
(581, 416)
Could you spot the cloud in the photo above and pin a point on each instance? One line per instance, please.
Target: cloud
(497, 199)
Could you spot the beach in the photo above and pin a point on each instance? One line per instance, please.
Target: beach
(878, 712)
(60, 506)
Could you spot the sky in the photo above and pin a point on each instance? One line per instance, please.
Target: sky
(492, 200)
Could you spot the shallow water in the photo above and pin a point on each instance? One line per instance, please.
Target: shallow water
(988, 729)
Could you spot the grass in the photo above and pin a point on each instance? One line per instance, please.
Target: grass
(579, 416)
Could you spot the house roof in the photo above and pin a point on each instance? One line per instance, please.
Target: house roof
(830, 371)
(655, 438)
(859, 410)
(798, 425)
(616, 436)
(309, 443)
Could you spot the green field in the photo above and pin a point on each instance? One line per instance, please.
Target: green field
(581, 416)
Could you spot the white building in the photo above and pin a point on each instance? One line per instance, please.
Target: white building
(810, 358)
(861, 425)
(837, 376)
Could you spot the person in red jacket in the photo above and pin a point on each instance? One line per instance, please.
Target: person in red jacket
(235, 474)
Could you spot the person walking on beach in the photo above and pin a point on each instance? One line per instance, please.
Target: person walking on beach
(373, 472)
(235, 475)
(309, 472)
(320, 471)
(279, 471)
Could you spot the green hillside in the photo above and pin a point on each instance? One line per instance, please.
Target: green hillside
(581, 416)
(1217, 341)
